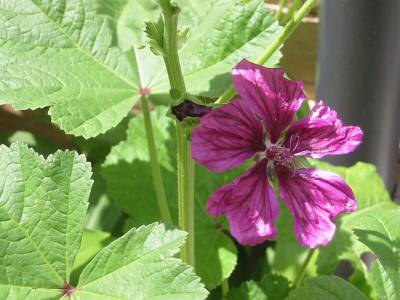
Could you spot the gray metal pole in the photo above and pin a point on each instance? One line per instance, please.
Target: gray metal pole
(359, 76)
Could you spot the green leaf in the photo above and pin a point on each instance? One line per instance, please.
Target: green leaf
(380, 281)
(42, 204)
(380, 232)
(371, 195)
(276, 287)
(228, 32)
(271, 287)
(216, 254)
(129, 31)
(42, 213)
(61, 54)
(83, 58)
(139, 265)
(155, 33)
(103, 214)
(127, 170)
(222, 33)
(327, 288)
(249, 290)
(92, 242)
(288, 256)
(128, 178)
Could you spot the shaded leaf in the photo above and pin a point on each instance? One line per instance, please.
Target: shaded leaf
(326, 288)
(271, 287)
(92, 242)
(249, 290)
(288, 256)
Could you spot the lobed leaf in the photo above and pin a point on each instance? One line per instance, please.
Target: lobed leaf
(84, 58)
(43, 205)
(42, 210)
(139, 266)
(61, 54)
(231, 31)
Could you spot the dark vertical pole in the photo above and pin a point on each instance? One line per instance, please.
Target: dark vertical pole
(359, 75)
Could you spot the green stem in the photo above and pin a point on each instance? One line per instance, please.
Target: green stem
(278, 12)
(186, 193)
(293, 8)
(303, 269)
(287, 31)
(186, 165)
(171, 57)
(154, 163)
(225, 287)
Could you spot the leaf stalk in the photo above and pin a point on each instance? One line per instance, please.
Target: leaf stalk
(299, 279)
(154, 164)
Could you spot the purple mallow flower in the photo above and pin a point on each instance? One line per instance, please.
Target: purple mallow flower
(261, 125)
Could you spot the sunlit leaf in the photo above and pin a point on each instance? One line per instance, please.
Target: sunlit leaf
(379, 230)
(43, 205)
(371, 195)
(42, 209)
(139, 265)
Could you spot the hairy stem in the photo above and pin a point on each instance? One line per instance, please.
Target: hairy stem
(186, 165)
(171, 57)
(155, 165)
(287, 31)
(303, 269)
(186, 193)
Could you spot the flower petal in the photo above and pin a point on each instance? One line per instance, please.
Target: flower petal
(322, 133)
(227, 137)
(250, 205)
(314, 198)
(274, 98)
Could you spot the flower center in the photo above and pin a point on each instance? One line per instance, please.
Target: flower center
(279, 155)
